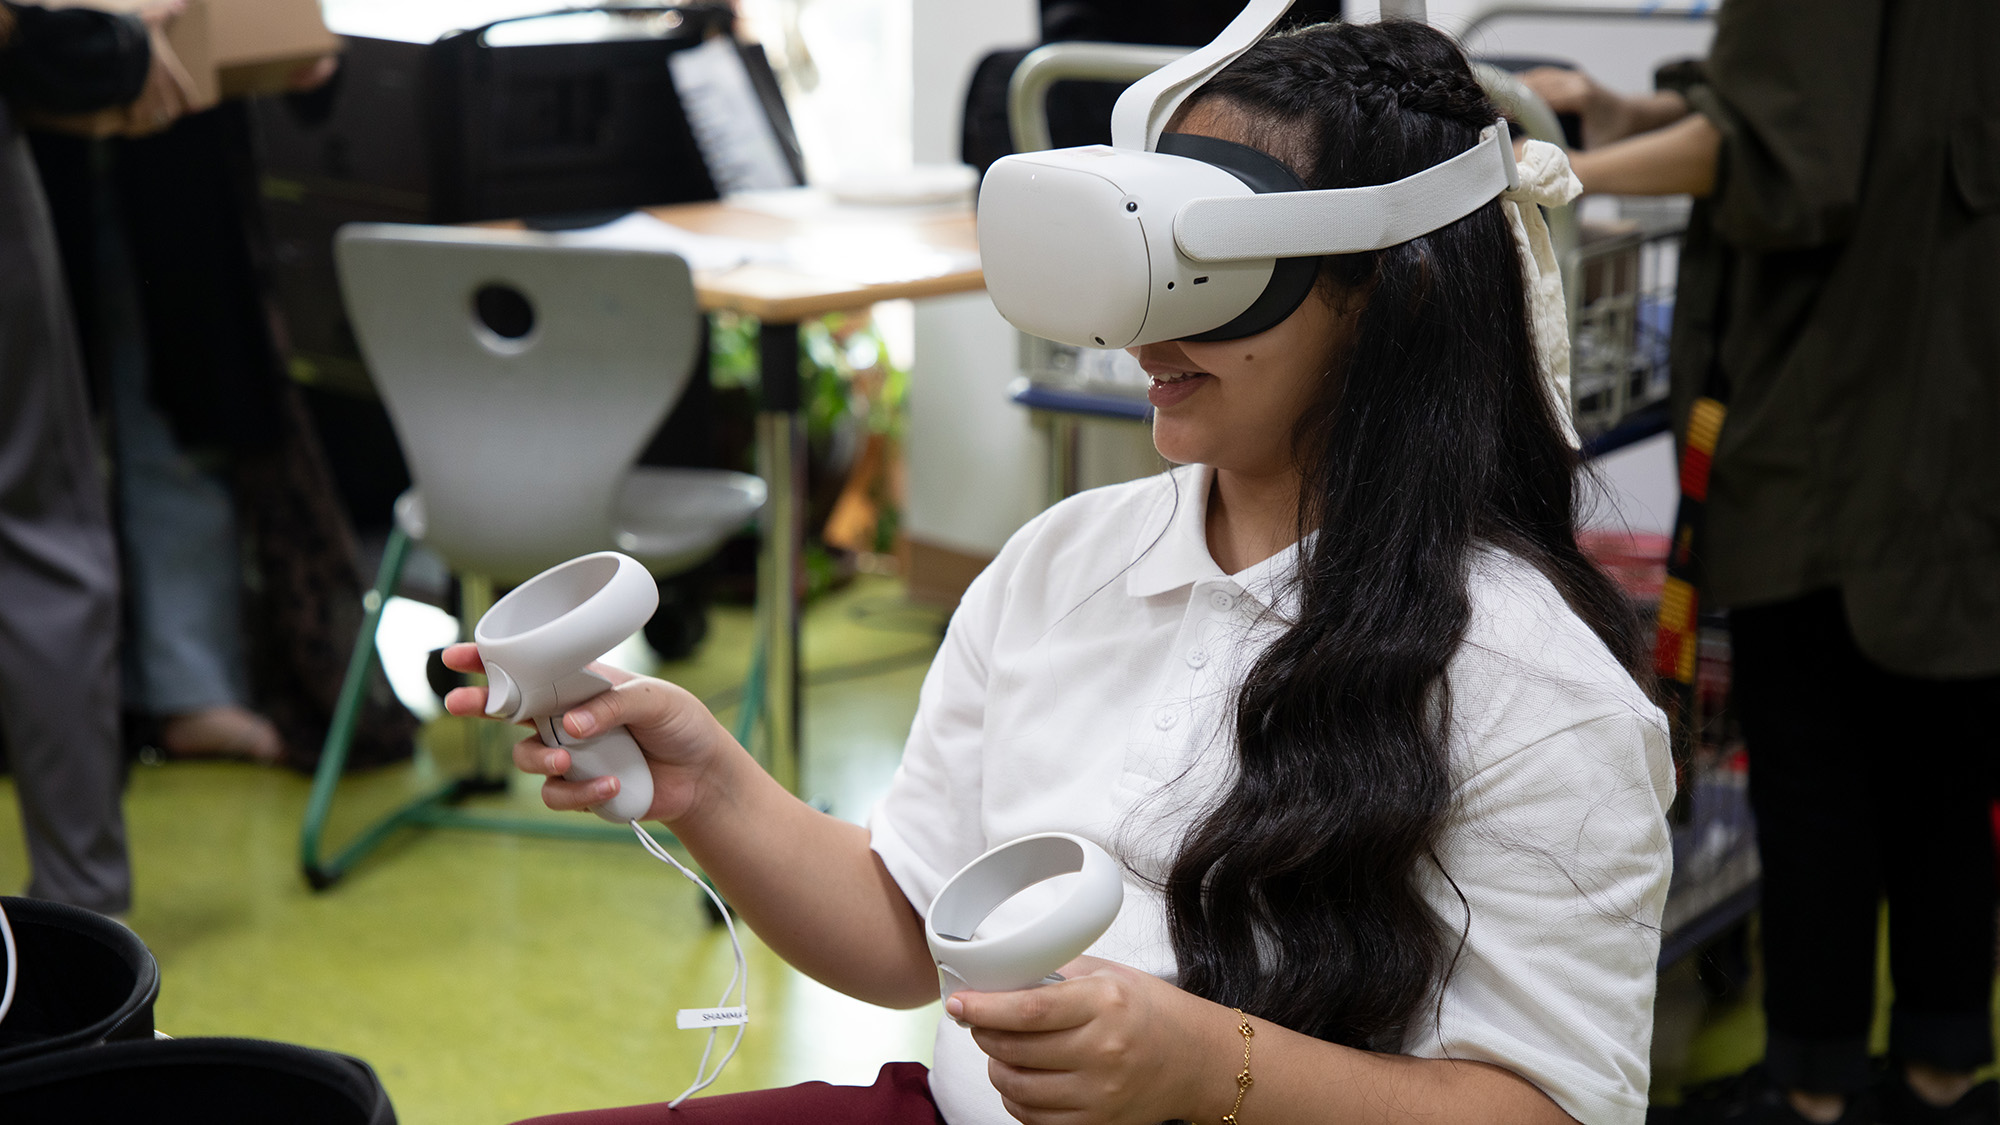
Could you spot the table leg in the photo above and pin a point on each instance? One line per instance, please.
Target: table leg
(781, 461)
(1064, 450)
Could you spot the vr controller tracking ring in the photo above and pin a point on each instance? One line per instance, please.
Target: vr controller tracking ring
(1023, 957)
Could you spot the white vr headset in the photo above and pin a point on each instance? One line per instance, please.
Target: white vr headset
(1188, 237)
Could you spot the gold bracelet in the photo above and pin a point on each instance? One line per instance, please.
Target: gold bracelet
(1243, 1080)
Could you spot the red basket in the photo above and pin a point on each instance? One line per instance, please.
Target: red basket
(1637, 561)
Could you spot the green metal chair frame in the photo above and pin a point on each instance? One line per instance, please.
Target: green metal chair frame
(440, 806)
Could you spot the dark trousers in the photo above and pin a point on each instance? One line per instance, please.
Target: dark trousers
(58, 572)
(1866, 784)
(901, 1095)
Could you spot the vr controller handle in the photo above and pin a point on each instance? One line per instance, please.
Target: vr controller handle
(611, 754)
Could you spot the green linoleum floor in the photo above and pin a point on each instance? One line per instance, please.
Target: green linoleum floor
(489, 977)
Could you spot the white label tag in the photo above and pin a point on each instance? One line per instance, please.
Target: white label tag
(711, 1017)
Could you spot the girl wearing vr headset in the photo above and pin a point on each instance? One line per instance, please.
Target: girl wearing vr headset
(1342, 693)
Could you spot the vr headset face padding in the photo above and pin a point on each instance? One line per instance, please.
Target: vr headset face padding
(1291, 278)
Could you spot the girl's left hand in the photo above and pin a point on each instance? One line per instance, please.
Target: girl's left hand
(1109, 1044)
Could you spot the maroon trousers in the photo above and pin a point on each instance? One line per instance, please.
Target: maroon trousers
(901, 1095)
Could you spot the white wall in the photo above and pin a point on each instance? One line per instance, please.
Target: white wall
(976, 463)
(949, 37)
(844, 67)
(1621, 53)
(1636, 488)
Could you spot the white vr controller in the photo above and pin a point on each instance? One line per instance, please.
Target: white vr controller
(536, 644)
(1175, 237)
(1028, 955)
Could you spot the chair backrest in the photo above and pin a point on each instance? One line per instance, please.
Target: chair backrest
(522, 376)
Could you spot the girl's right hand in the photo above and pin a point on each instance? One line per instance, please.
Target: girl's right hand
(682, 741)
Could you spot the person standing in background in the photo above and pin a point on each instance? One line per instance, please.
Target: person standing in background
(59, 696)
(172, 335)
(241, 586)
(1836, 315)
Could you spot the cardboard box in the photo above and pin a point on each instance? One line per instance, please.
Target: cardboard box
(255, 46)
(230, 49)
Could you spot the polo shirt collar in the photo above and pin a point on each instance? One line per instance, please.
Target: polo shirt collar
(1169, 558)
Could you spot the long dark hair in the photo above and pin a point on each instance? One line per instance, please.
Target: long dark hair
(1298, 897)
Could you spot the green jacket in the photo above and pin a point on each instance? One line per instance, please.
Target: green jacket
(1842, 288)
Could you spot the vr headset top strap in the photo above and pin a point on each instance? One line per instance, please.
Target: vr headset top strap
(1143, 109)
(1348, 220)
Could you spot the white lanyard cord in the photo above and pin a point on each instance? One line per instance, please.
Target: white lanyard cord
(739, 977)
(7, 996)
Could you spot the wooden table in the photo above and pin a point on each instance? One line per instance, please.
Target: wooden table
(837, 257)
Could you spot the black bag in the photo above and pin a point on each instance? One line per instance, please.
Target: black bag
(84, 979)
(210, 1081)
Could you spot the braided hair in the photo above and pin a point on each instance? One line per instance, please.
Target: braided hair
(1299, 897)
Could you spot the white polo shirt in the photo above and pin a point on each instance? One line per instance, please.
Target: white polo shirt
(1086, 685)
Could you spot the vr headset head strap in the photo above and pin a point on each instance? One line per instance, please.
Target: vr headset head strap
(1291, 277)
(1143, 109)
(1348, 220)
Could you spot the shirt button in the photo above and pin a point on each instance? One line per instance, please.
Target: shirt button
(1197, 658)
(1222, 601)
(1165, 720)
